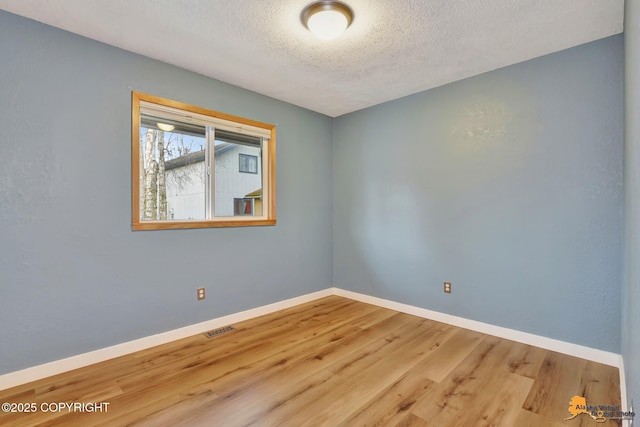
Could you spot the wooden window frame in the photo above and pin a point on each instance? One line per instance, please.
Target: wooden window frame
(268, 171)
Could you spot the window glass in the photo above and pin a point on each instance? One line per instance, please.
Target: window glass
(230, 180)
(194, 168)
(173, 173)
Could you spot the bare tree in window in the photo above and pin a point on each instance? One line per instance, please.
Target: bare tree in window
(150, 176)
(159, 154)
(162, 187)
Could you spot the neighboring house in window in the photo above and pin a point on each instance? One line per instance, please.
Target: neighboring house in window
(250, 204)
(237, 192)
(185, 182)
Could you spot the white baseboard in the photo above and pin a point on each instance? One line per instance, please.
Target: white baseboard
(63, 365)
(600, 356)
(623, 387)
(59, 366)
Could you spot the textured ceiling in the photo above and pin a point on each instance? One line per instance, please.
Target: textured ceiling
(392, 49)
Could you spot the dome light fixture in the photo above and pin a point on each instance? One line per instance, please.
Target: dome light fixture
(166, 127)
(327, 19)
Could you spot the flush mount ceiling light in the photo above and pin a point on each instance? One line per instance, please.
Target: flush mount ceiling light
(327, 19)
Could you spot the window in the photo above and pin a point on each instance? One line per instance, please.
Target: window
(243, 206)
(184, 172)
(248, 164)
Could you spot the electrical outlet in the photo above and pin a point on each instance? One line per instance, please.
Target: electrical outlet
(200, 294)
(447, 287)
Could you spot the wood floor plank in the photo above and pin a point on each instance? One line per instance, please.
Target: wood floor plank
(500, 402)
(330, 362)
(392, 404)
(529, 419)
(525, 360)
(600, 384)
(558, 380)
(444, 359)
(365, 382)
(412, 421)
(468, 383)
(561, 377)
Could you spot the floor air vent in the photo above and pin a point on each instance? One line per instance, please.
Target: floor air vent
(216, 332)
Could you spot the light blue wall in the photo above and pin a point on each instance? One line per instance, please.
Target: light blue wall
(508, 184)
(73, 276)
(631, 294)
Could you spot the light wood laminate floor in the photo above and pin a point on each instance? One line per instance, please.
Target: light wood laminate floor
(330, 362)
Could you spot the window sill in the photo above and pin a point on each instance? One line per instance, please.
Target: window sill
(177, 225)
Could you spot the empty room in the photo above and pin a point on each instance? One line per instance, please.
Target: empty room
(319, 213)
